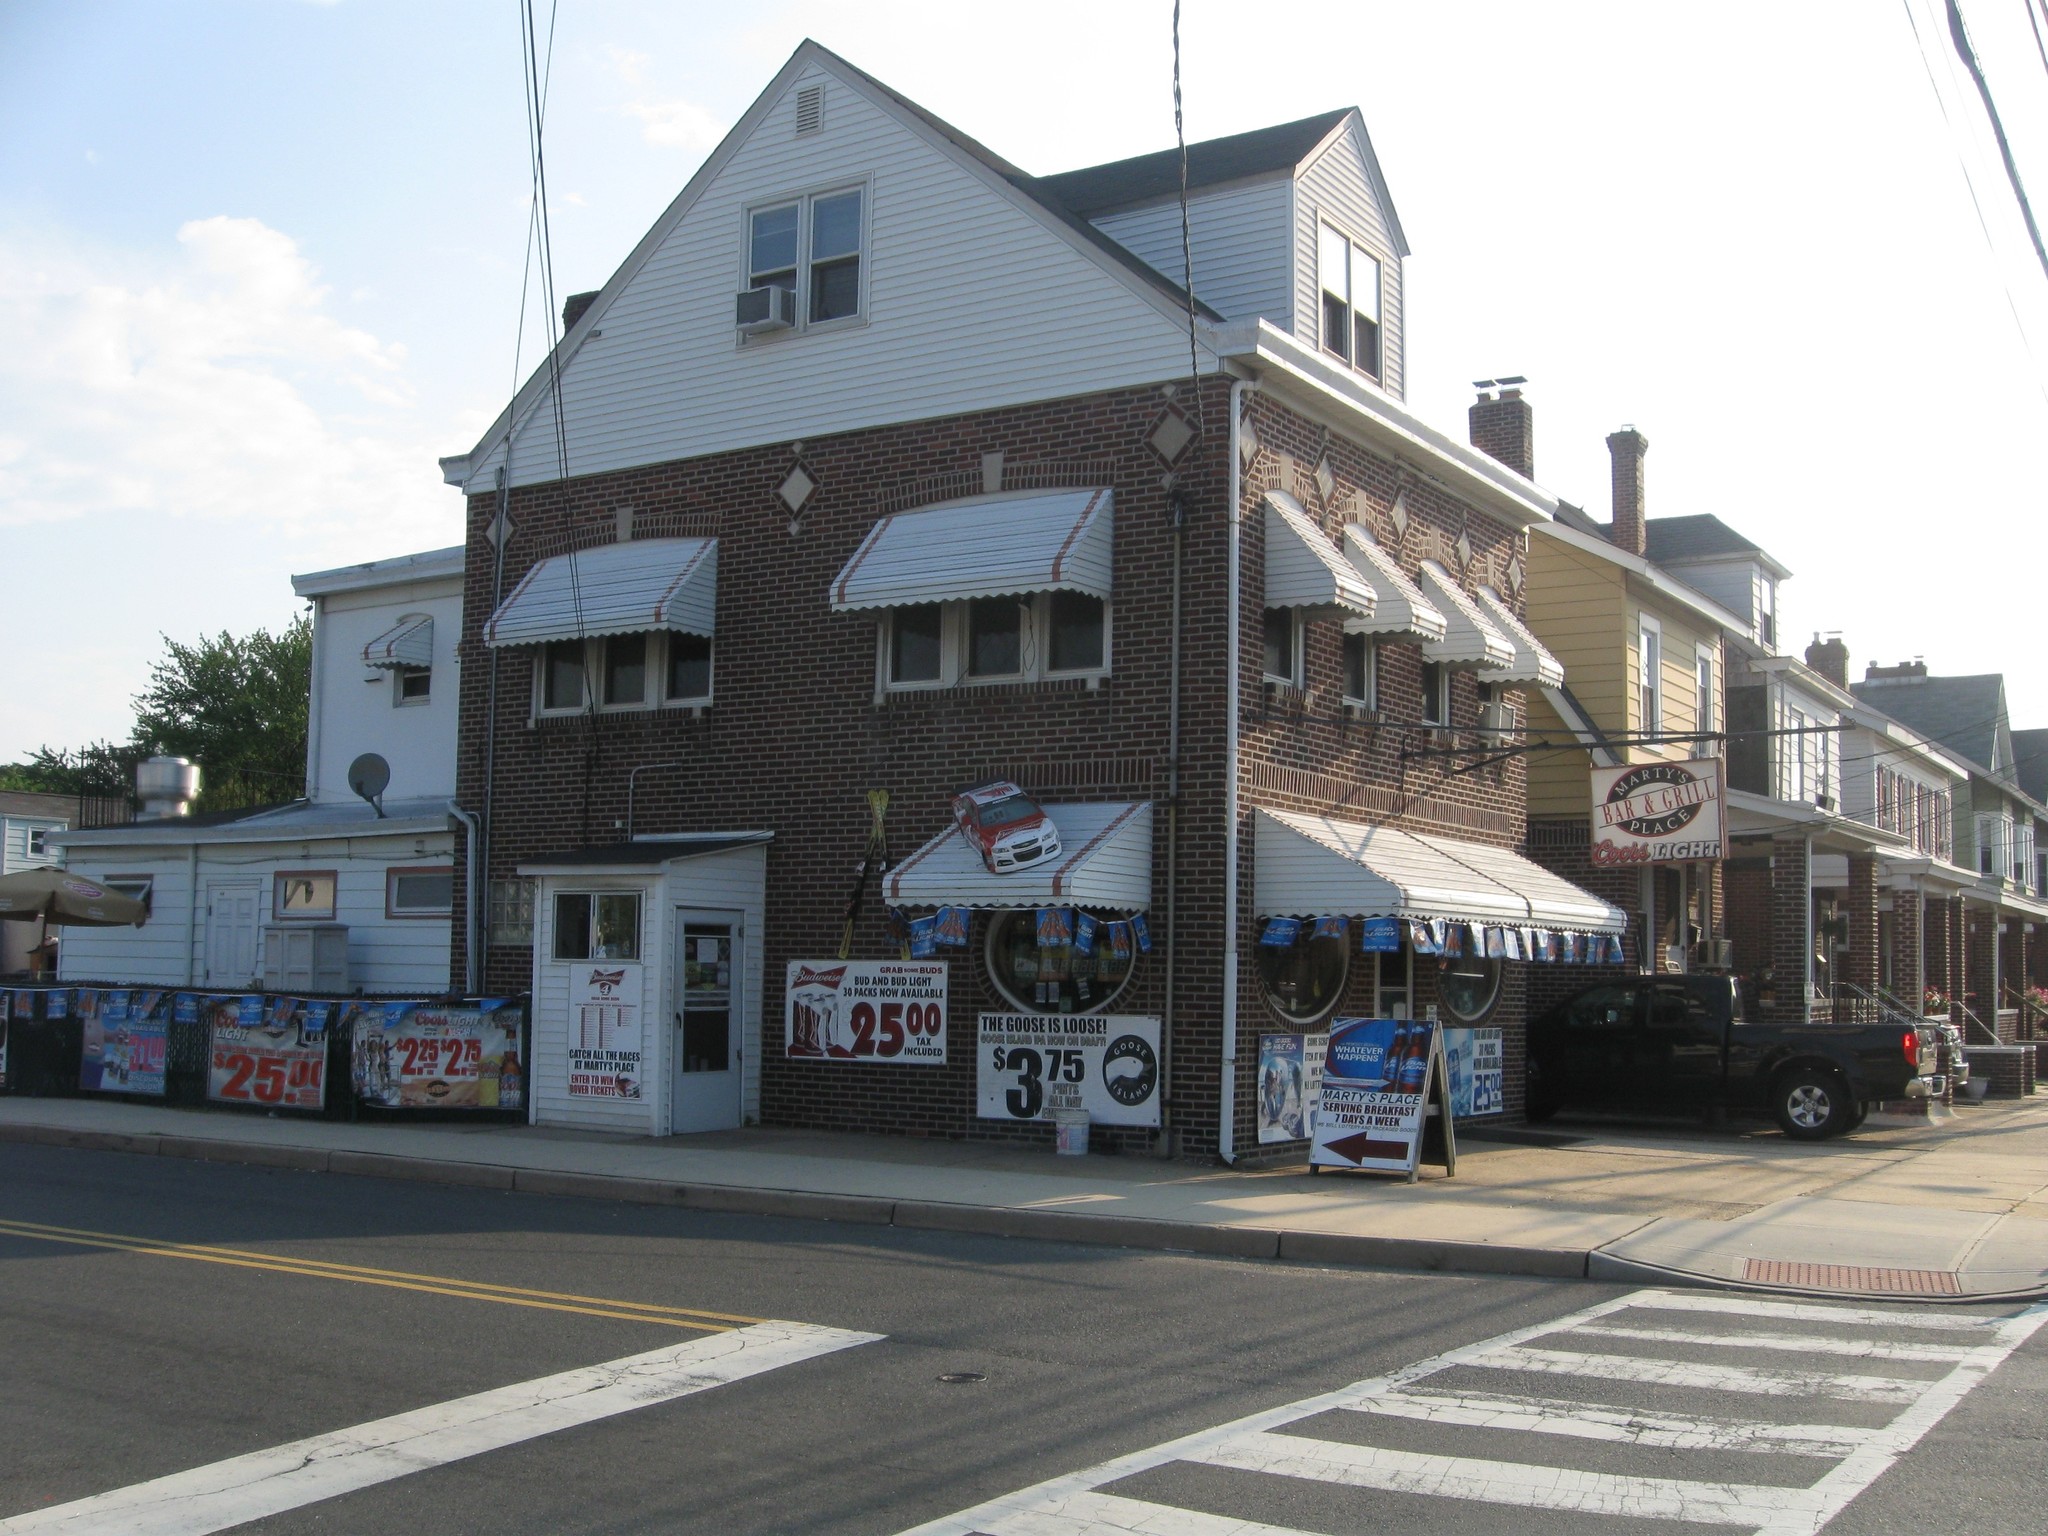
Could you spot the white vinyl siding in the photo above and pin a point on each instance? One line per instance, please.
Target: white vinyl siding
(1241, 247)
(1335, 188)
(953, 258)
(384, 954)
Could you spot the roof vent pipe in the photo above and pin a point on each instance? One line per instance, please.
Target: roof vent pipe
(166, 786)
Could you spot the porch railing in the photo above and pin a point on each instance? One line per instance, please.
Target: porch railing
(1970, 1021)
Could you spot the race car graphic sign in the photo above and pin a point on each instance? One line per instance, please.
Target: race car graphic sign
(1656, 813)
(606, 1030)
(865, 1010)
(1030, 1064)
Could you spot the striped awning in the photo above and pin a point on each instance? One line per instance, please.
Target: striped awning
(408, 643)
(1401, 609)
(1105, 861)
(1470, 639)
(1532, 663)
(985, 546)
(1316, 865)
(1304, 568)
(615, 589)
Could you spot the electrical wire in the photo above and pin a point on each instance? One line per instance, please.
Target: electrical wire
(1187, 249)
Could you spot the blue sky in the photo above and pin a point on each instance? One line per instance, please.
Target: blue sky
(261, 263)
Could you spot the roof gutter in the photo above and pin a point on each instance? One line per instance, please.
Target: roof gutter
(1329, 391)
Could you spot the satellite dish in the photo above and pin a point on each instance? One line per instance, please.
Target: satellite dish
(367, 776)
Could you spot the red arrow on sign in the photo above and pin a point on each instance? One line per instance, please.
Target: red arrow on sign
(1361, 1145)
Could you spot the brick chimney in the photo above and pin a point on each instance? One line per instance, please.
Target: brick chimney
(573, 307)
(1502, 426)
(1629, 531)
(1830, 658)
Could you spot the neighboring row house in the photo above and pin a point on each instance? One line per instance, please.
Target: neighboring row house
(877, 469)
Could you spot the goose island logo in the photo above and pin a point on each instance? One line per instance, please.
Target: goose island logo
(1650, 813)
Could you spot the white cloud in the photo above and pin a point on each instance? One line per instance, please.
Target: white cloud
(214, 381)
(673, 124)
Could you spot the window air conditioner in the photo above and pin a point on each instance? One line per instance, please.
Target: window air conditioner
(765, 309)
(1825, 802)
(1496, 719)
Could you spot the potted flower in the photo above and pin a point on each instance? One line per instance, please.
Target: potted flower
(1935, 1003)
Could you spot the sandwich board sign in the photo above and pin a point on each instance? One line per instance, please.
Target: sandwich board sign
(1382, 1081)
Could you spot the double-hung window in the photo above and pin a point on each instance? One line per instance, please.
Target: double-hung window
(1361, 671)
(1029, 637)
(1650, 676)
(647, 670)
(1283, 646)
(1436, 693)
(1703, 707)
(812, 246)
(1350, 279)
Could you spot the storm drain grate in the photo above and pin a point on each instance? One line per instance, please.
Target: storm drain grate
(1853, 1277)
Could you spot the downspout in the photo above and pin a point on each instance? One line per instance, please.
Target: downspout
(1179, 516)
(472, 960)
(191, 913)
(315, 710)
(1226, 1127)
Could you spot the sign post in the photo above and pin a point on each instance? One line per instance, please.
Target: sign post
(1382, 1082)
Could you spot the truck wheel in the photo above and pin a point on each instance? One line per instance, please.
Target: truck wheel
(1811, 1104)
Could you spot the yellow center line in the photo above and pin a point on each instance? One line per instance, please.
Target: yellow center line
(403, 1280)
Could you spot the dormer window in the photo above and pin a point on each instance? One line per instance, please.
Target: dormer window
(811, 247)
(1350, 277)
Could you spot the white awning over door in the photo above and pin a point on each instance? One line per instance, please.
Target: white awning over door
(1314, 866)
(1304, 568)
(614, 589)
(1105, 861)
(985, 546)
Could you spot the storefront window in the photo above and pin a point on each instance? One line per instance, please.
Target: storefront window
(1303, 980)
(1057, 979)
(1468, 986)
(597, 927)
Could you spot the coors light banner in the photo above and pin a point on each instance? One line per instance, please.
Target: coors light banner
(1658, 813)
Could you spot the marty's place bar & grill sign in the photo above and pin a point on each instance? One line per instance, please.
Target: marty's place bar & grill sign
(1658, 813)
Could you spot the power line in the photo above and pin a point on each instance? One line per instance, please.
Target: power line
(1960, 36)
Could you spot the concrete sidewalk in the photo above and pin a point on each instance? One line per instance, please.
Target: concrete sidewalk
(1957, 1211)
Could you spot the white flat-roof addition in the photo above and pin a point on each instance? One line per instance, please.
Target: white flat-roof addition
(1304, 569)
(1532, 663)
(1401, 608)
(984, 546)
(1106, 861)
(1470, 638)
(408, 643)
(615, 589)
(1310, 866)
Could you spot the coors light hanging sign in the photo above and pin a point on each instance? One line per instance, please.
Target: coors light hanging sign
(1658, 813)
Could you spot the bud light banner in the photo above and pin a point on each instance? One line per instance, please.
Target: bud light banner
(1473, 1071)
(122, 1047)
(1658, 813)
(1379, 1076)
(865, 1010)
(1290, 1072)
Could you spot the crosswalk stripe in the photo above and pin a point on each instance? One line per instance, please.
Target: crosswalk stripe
(1867, 1349)
(1505, 1482)
(1580, 1421)
(1686, 1373)
(1107, 1514)
(284, 1477)
(1738, 1304)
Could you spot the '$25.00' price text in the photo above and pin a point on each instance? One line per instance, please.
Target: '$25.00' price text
(268, 1079)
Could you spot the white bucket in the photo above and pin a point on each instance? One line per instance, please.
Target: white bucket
(1070, 1132)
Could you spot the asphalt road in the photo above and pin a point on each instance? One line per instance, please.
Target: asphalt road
(159, 1316)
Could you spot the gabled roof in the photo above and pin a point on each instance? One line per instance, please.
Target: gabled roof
(2030, 762)
(1097, 189)
(1964, 714)
(1701, 537)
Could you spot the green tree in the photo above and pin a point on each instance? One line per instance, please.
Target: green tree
(235, 705)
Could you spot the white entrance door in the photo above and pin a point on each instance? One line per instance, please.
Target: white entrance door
(233, 914)
(707, 991)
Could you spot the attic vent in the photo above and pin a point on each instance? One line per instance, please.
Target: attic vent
(810, 108)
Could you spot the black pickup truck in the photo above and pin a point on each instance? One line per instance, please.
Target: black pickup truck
(1676, 1044)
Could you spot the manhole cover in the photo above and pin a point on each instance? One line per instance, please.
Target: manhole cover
(1853, 1277)
(957, 1378)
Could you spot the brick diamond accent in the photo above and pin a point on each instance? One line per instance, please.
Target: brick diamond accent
(1170, 437)
(1399, 514)
(796, 488)
(1463, 549)
(1326, 478)
(1247, 442)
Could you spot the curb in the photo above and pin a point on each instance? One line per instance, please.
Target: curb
(1601, 1265)
(1135, 1232)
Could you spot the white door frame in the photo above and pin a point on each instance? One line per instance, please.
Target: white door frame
(681, 916)
(216, 887)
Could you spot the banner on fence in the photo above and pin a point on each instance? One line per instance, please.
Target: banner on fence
(124, 1046)
(267, 1050)
(427, 1056)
